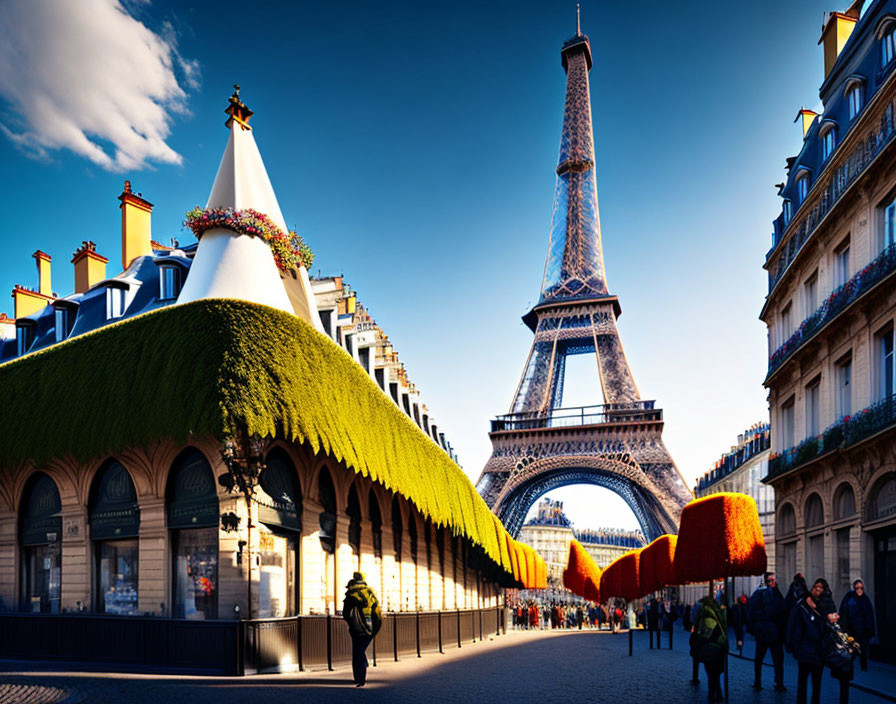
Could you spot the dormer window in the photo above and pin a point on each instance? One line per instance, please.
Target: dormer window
(854, 99)
(802, 187)
(25, 333)
(887, 46)
(115, 301)
(169, 282)
(788, 211)
(828, 140)
(64, 317)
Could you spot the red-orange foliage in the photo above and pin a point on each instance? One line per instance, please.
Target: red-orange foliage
(719, 536)
(609, 581)
(580, 568)
(657, 569)
(592, 591)
(629, 575)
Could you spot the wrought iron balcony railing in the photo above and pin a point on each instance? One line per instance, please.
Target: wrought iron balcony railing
(828, 192)
(839, 300)
(736, 459)
(846, 432)
(580, 415)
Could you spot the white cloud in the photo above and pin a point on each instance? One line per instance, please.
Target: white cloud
(87, 76)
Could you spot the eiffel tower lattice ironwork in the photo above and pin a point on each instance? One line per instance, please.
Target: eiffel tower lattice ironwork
(540, 446)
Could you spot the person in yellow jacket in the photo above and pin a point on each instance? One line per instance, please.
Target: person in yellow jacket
(361, 610)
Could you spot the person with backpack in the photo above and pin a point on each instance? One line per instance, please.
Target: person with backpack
(839, 649)
(709, 643)
(361, 610)
(805, 630)
(857, 619)
(767, 618)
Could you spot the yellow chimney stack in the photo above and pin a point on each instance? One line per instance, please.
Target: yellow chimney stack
(836, 31)
(808, 117)
(136, 234)
(90, 267)
(45, 287)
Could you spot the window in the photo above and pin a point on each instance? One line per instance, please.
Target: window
(888, 47)
(827, 144)
(115, 302)
(802, 188)
(844, 388)
(24, 338)
(854, 98)
(169, 282)
(65, 320)
(841, 264)
(886, 364)
(40, 540)
(812, 408)
(786, 323)
(810, 295)
(788, 212)
(787, 425)
(889, 230)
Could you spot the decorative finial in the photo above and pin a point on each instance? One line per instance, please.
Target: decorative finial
(237, 109)
(578, 19)
(127, 186)
(236, 91)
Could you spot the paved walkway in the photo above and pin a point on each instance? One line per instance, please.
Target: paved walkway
(522, 667)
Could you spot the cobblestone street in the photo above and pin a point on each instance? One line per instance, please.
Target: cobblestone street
(519, 667)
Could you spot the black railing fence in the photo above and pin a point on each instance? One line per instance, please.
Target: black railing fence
(234, 647)
(579, 415)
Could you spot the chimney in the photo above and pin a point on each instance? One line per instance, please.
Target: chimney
(90, 267)
(45, 288)
(136, 235)
(808, 117)
(836, 31)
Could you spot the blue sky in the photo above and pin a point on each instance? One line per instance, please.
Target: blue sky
(414, 145)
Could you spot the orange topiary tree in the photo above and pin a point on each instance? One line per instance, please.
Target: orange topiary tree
(629, 569)
(719, 537)
(657, 567)
(579, 569)
(592, 590)
(609, 581)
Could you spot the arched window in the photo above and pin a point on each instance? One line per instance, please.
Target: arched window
(114, 525)
(786, 520)
(327, 496)
(828, 136)
(193, 522)
(814, 511)
(882, 503)
(854, 98)
(280, 523)
(40, 536)
(353, 510)
(788, 211)
(412, 534)
(376, 524)
(887, 46)
(844, 501)
(397, 528)
(802, 187)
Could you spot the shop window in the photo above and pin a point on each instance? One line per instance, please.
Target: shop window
(193, 520)
(843, 575)
(882, 502)
(327, 519)
(114, 525)
(40, 538)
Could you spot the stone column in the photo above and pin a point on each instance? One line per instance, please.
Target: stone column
(390, 573)
(345, 561)
(450, 591)
(76, 559)
(232, 566)
(311, 573)
(9, 560)
(408, 574)
(153, 583)
(436, 591)
(368, 562)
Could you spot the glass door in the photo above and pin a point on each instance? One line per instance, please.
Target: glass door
(42, 578)
(117, 577)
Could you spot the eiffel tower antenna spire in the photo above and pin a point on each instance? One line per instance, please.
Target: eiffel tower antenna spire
(578, 19)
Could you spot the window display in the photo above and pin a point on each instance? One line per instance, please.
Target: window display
(276, 590)
(196, 573)
(117, 574)
(42, 578)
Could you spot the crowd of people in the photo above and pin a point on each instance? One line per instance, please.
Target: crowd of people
(806, 622)
(551, 615)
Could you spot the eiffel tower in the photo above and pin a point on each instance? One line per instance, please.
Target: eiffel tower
(539, 445)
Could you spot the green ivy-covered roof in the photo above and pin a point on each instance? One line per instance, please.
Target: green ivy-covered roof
(207, 367)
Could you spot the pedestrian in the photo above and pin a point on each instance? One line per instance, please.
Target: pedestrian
(839, 649)
(709, 643)
(798, 589)
(767, 617)
(805, 629)
(668, 616)
(686, 622)
(739, 620)
(580, 616)
(361, 610)
(857, 619)
(653, 620)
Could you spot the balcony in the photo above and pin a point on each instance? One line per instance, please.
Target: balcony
(839, 300)
(846, 432)
(827, 192)
(636, 411)
(735, 460)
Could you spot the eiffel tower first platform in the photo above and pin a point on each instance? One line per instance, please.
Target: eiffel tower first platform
(540, 446)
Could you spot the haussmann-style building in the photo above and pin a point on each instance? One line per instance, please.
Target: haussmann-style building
(200, 450)
(830, 311)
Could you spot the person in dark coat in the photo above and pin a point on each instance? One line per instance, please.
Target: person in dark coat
(768, 617)
(739, 619)
(798, 589)
(361, 610)
(857, 619)
(653, 619)
(838, 650)
(709, 643)
(805, 630)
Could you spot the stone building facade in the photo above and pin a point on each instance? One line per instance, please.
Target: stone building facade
(830, 312)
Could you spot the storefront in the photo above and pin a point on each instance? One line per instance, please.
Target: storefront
(40, 538)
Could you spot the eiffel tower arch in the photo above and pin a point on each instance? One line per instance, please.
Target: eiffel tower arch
(540, 445)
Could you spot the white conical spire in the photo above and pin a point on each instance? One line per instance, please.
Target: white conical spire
(231, 265)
